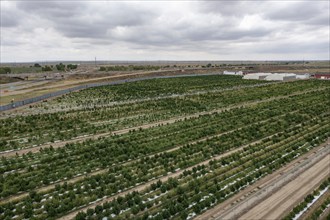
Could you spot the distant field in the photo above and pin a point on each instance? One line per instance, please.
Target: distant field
(155, 149)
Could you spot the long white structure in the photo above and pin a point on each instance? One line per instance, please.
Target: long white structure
(281, 77)
(304, 76)
(258, 76)
(276, 76)
(239, 73)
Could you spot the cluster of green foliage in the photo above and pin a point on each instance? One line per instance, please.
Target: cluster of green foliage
(60, 67)
(5, 70)
(71, 66)
(46, 68)
(129, 68)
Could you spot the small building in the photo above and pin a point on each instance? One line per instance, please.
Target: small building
(322, 76)
(303, 76)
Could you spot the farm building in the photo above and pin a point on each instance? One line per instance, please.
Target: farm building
(281, 77)
(303, 76)
(322, 76)
(276, 76)
(239, 73)
(259, 76)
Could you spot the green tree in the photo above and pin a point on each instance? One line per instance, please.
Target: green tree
(5, 70)
(46, 68)
(60, 67)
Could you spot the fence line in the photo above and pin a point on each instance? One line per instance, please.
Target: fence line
(66, 91)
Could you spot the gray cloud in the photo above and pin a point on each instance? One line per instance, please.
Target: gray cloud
(85, 20)
(53, 9)
(299, 11)
(143, 30)
(9, 18)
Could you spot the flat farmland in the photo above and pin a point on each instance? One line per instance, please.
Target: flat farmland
(174, 148)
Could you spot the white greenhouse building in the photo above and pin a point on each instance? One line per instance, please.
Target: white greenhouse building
(304, 76)
(239, 73)
(281, 77)
(258, 76)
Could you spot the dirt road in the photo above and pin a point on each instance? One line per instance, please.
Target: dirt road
(281, 202)
(57, 85)
(259, 191)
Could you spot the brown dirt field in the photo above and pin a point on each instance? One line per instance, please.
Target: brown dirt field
(228, 205)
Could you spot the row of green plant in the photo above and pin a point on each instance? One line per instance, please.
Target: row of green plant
(24, 131)
(320, 210)
(118, 179)
(153, 88)
(195, 128)
(138, 157)
(201, 188)
(33, 167)
(50, 171)
(37, 68)
(129, 68)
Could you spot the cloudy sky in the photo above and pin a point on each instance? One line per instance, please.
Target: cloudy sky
(164, 30)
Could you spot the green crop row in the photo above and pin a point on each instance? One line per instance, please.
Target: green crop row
(123, 177)
(31, 171)
(26, 131)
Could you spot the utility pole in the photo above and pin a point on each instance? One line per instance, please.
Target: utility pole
(95, 61)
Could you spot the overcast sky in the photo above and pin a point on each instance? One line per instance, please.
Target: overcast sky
(164, 30)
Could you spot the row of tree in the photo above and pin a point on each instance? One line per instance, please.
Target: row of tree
(98, 186)
(59, 67)
(196, 194)
(129, 68)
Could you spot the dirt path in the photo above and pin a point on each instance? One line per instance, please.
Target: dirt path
(159, 123)
(245, 200)
(69, 83)
(281, 202)
(54, 86)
